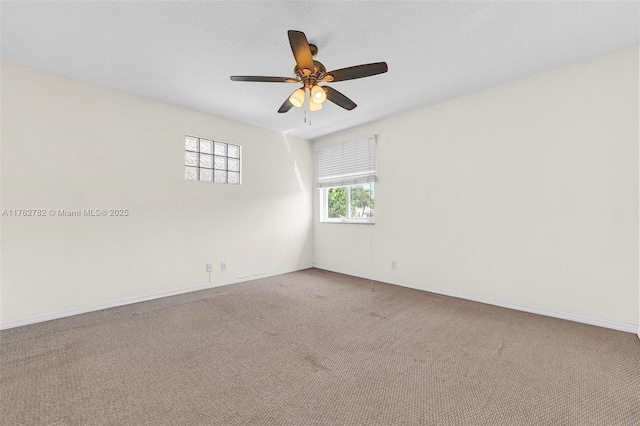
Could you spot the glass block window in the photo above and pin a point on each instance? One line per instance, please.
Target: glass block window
(211, 161)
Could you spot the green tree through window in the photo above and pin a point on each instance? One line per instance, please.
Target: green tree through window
(337, 202)
(350, 202)
(361, 201)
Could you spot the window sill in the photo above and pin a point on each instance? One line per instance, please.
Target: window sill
(352, 222)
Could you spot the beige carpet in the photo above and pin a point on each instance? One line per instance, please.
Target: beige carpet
(314, 347)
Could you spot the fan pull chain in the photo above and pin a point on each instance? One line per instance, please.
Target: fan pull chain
(307, 115)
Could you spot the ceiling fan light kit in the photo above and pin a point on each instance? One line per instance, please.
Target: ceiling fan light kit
(314, 106)
(297, 98)
(310, 73)
(318, 95)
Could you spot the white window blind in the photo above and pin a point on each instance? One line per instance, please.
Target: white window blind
(348, 163)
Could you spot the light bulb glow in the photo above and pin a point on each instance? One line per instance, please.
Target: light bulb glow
(297, 98)
(318, 95)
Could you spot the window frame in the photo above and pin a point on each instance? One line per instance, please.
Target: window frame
(324, 207)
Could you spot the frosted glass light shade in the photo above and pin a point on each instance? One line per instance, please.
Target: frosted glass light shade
(297, 98)
(318, 95)
(313, 106)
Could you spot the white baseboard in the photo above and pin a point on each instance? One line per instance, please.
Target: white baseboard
(615, 325)
(137, 299)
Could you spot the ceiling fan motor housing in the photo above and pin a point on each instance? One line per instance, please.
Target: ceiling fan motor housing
(317, 73)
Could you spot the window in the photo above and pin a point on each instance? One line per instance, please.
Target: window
(346, 175)
(211, 161)
(353, 203)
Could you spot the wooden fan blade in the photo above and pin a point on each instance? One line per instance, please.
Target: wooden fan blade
(358, 71)
(286, 106)
(339, 99)
(262, 79)
(301, 50)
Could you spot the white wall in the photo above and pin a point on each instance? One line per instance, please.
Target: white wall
(523, 195)
(67, 144)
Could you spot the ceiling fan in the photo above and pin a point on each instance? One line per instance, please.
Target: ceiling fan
(310, 73)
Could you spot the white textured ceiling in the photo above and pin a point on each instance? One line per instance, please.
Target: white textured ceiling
(184, 52)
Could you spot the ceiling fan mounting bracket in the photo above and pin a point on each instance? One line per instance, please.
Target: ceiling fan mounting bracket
(314, 49)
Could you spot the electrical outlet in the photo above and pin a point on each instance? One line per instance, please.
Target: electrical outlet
(223, 266)
(209, 267)
(393, 264)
